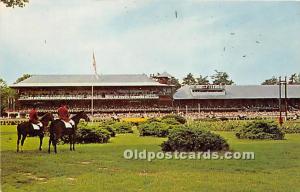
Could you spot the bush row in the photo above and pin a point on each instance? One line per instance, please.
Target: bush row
(100, 132)
(160, 127)
(11, 122)
(236, 125)
(218, 125)
(89, 135)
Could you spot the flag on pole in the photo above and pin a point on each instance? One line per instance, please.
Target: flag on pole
(95, 66)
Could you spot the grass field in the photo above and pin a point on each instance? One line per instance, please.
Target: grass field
(101, 167)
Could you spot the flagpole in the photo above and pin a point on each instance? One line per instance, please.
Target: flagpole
(92, 104)
(92, 101)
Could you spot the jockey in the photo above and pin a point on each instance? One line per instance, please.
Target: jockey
(34, 119)
(64, 115)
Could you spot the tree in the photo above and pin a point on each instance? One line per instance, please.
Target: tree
(272, 81)
(5, 93)
(174, 81)
(202, 80)
(14, 3)
(294, 79)
(189, 80)
(25, 76)
(221, 78)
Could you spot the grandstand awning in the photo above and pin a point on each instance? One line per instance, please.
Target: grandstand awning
(240, 92)
(87, 80)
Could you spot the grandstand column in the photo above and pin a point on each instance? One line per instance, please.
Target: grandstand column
(186, 110)
(284, 82)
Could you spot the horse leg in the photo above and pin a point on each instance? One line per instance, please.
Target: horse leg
(18, 142)
(54, 144)
(22, 141)
(73, 138)
(50, 139)
(41, 141)
(70, 140)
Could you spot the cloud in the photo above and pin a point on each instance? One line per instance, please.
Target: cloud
(146, 37)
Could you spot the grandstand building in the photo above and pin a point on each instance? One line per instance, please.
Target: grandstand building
(140, 93)
(106, 93)
(235, 98)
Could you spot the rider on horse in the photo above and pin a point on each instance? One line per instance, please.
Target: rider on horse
(64, 115)
(34, 119)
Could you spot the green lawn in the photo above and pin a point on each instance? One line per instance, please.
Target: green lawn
(101, 167)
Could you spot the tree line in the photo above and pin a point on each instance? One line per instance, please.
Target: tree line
(14, 3)
(293, 79)
(223, 78)
(6, 92)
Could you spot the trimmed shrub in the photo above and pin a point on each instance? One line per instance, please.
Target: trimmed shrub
(89, 135)
(291, 127)
(153, 119)
(109, 128)
(113, 127)
(85, 135)
(178, 118)
(158, 129)
(190, 139)
(260, 129)
(122, 127)
(170, 121)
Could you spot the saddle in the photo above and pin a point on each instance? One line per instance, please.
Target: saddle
(37, 126)
(69, 124)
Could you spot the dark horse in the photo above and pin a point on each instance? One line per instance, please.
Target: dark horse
(58, 129)
(26, 128)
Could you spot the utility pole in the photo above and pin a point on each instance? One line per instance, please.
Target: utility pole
(285, 98)
(92, 103)
(280, 115)
(0, 100)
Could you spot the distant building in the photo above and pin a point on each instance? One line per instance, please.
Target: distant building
(234, 97)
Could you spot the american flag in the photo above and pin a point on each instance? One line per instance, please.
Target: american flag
(94, 65)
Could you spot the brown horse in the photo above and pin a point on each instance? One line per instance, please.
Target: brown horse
(58, 130)
(26, 128)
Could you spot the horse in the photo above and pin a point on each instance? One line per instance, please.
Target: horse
(26, 128)
(58, 130)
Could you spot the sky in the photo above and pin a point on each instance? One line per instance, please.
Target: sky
(251, 41)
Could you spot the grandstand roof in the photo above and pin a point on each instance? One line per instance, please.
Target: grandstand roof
(240, 92)
(87, 80)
